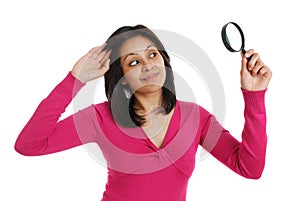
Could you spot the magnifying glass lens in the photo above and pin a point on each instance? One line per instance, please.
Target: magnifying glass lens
(233, 38)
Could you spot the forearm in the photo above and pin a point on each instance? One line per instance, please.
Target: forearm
(247, 157)
(43, 122)
(254, 138)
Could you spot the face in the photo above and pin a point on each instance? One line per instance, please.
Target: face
(142, 65)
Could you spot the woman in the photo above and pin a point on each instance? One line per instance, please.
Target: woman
(148, 138)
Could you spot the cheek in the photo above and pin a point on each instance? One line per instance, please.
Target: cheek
(162, 69)
(163, 76)
(132, 77)
(160, 61)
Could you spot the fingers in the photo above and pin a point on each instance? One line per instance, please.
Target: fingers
(249, 53)
(265, 72)
(99, 54)
(245, 58)
(255, 59)
(105, 57)
(244, 64)
(256, 68)
(105, 67)
(96, 51)
(100, 48)
(255, 75)
(254, 65)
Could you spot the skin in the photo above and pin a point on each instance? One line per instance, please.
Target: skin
(143, 69)
(92, 65)
(255, 75)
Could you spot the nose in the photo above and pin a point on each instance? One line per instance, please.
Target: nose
(146, 68)
(147, 65)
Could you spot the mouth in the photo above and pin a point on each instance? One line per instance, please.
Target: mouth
(150, 77)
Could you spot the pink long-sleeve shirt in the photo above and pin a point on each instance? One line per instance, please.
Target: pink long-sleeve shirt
(138, 170)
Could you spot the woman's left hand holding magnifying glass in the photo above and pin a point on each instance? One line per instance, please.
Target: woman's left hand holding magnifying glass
(255, 75)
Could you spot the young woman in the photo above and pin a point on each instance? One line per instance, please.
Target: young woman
(148, 138)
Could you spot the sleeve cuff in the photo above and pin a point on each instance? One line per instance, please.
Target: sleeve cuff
(254, 101)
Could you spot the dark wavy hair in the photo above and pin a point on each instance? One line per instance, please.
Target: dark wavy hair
(122, 107)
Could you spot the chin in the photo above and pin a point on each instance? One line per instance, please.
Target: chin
(150, 88)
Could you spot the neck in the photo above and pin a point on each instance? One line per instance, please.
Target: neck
(146, 103)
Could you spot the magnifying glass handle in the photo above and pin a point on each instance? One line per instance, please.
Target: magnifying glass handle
(244, 52)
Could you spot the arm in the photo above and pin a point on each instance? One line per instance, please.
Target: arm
(44, 134)
(247, 158)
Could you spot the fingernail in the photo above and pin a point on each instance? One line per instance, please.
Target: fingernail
(247, 55)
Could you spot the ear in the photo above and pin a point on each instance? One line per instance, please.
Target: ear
(124, 81)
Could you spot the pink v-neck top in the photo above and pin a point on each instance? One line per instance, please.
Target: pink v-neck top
(138, 170)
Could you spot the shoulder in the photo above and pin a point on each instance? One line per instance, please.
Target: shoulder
(192, 107)
(102, 109)
(104, 106)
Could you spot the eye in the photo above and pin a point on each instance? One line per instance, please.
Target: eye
(153, 54)
(134, 63)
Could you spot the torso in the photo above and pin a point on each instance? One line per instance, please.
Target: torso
(156, 127)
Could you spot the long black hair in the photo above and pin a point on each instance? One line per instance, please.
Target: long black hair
(122, 106)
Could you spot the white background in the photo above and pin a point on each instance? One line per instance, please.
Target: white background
(41, 40)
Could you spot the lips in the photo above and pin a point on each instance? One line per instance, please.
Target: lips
(150, 77)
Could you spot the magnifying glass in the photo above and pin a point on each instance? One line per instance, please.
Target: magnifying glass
(233, 38)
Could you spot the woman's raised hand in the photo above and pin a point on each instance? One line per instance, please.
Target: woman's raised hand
(92, 65)
(255, 75)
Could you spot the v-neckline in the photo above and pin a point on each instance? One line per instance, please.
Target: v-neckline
(166, 137)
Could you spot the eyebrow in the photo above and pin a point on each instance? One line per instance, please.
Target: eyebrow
(130, 54)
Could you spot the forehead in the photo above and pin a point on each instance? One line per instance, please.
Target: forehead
(135, 44)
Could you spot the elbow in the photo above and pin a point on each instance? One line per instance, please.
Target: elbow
(21, 149)
(255, 174)
(28, 146)
(21, 146)
(27, 149)
(252, 170)
(33, 148)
